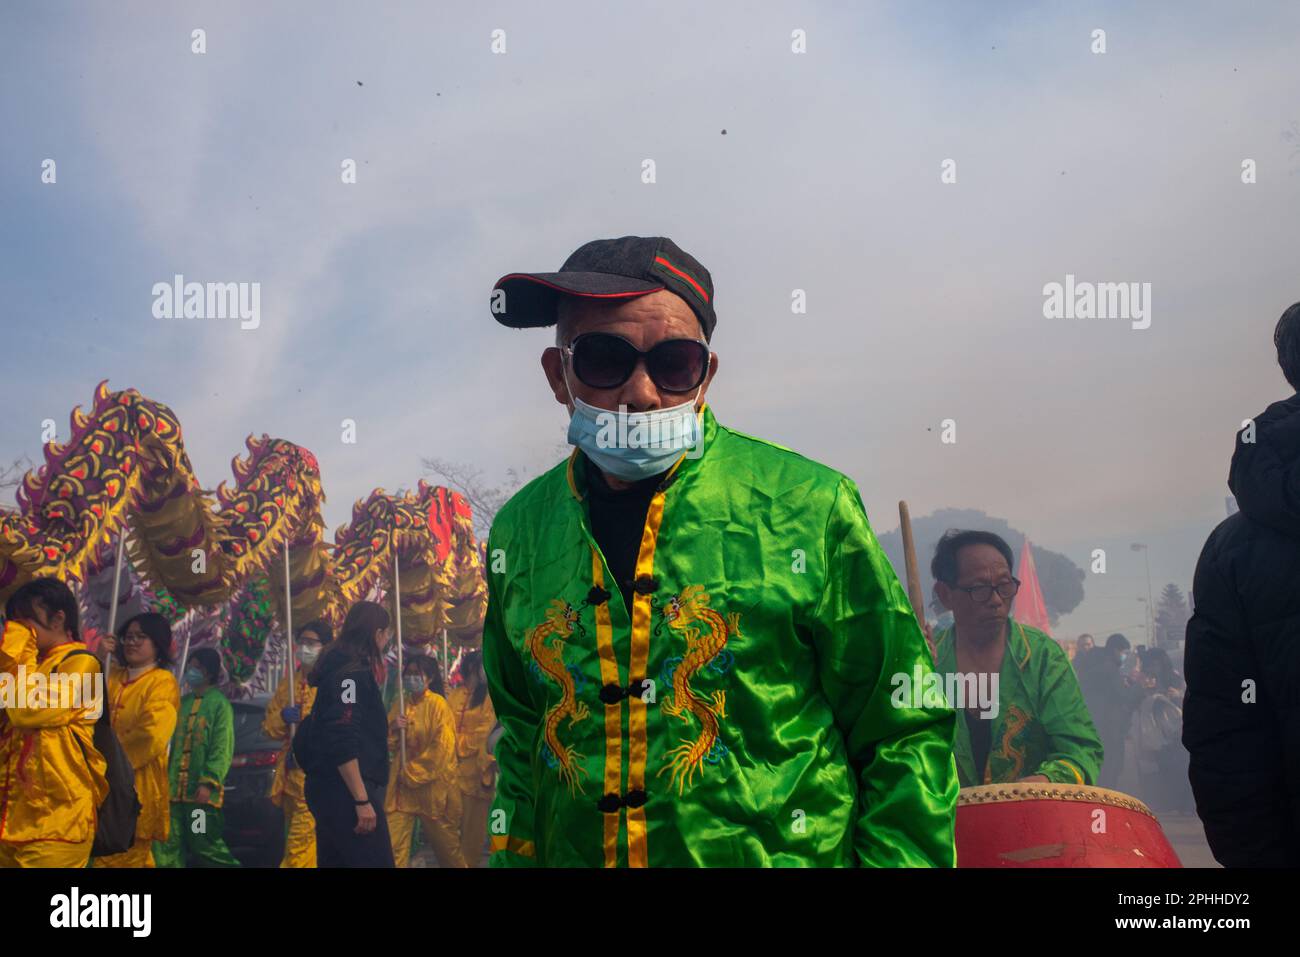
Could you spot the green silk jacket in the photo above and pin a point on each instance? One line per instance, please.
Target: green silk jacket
(203, 746)
(767, 623)
(1042, 725)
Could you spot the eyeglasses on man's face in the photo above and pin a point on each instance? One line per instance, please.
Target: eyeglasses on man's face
(982, 593)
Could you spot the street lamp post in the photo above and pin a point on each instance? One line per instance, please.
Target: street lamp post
(1151, 610)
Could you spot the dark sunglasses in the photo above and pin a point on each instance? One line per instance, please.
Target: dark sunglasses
(605, 361)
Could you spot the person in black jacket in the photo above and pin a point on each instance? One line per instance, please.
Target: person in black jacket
(348, 771)
(1111, 700)
(1241, 715)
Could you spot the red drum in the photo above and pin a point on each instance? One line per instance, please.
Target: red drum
(1057, 825)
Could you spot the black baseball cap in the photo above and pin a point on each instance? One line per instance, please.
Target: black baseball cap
(609, 269)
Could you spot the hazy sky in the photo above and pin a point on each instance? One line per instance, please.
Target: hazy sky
(925, 299)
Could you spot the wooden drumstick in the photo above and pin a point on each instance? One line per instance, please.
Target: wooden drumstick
(910, 567)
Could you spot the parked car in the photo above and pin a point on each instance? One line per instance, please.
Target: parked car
(254, 826)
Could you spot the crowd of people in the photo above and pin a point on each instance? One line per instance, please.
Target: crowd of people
(357, 779)
(134, 774)
(1135, 697)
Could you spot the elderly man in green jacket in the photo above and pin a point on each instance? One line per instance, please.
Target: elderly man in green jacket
(690, 632)
(1036, 725)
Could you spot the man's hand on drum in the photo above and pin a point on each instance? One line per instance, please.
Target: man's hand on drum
(1036, 779)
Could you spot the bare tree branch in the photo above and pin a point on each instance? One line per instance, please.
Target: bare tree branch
(11, 476)
(485, 500)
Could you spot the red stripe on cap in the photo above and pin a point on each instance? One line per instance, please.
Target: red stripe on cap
(698, 288)
(570, 292)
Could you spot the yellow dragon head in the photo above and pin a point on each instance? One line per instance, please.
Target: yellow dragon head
(561, 615)
(685, 608)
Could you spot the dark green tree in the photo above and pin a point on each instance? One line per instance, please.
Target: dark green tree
(1171, 617)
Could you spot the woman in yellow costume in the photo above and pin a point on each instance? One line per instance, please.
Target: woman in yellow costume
(286, 788)
(51, 776)
(143, 700)
(472, 709)
(424, 785)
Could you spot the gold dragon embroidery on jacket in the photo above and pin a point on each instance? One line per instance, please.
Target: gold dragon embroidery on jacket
(1017, 720)
(546, 644)
(705, 633)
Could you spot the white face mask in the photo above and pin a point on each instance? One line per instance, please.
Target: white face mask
(308, 656)
(634, 445)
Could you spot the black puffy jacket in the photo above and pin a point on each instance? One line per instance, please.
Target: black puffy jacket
(1244, 635)
(349, 721)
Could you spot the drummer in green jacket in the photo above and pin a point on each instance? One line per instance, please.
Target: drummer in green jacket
(690, 633)
(1036, 727)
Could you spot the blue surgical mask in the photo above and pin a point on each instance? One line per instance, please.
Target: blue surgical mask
(413, 684)
(634, 445)
(194, 677)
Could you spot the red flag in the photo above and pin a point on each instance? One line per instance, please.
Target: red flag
(1030, 609)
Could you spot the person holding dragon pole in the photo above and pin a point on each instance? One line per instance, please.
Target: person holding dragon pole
(690, 632)
(475, 765)
(422, 783)
(280, 720)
